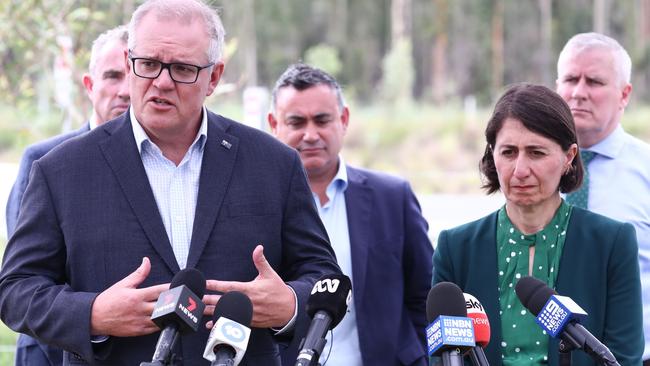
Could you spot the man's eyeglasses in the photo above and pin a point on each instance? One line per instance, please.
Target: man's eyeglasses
(181, 73)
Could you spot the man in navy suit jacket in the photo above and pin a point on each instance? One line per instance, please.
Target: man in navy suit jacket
(108, 91)
(108, 218)
(374, 223)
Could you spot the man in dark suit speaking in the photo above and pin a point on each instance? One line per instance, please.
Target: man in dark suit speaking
(108, 90)
(108, 218)
(374, 223)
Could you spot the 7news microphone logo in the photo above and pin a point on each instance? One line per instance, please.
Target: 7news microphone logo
(188, 310)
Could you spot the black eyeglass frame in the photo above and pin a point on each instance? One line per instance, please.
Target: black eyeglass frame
(168, 66)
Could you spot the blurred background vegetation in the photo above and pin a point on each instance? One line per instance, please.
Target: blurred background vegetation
(420, 75)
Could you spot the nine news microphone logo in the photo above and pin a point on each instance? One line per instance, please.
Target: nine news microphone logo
(557, 312)
(450, 331)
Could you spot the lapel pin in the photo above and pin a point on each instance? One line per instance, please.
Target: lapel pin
(226, 144)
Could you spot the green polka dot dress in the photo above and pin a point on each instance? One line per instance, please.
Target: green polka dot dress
(524, 342)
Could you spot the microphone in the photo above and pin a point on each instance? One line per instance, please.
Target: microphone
(559, 315)
(230, 333)
(481, 323)
(326, 306)
(177, 310)
(451, 332)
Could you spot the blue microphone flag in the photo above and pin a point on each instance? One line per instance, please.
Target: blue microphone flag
(450, 331)
(558, 311)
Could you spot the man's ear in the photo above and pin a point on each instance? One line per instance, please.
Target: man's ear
(273, 123)
(87, 80)
(215, 76)
(345, 118)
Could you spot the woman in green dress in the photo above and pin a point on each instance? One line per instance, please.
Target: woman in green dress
(531, 157)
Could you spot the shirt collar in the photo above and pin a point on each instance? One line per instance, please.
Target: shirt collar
(340, 181)
(611, 145)
(141, 136)
(92, 122)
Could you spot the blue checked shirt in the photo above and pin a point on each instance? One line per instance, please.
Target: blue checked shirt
(175, 188)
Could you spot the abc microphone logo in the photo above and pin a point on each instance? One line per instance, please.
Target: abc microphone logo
(329, 285)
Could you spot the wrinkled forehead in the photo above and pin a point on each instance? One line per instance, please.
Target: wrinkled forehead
(592, 60)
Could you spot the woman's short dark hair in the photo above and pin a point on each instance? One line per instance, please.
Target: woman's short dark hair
(541, 111)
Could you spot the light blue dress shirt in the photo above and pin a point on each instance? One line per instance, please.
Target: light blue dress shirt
(345, 343)
(619, 187)
(175, 188)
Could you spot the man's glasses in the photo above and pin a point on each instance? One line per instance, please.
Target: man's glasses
(181, 73)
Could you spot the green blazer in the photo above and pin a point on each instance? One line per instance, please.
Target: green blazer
(599, 270)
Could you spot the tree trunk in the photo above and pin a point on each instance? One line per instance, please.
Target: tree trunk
(601, 9)
(497, 46)
(546, 28)
(250, 43)
(439, 52)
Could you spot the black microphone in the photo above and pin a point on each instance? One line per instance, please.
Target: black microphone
(447, 314)
(231, 330)
(326, 306)
(537, 297)
(178, 310)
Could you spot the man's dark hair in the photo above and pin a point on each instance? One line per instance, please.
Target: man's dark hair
(301, 76)
(541, 111)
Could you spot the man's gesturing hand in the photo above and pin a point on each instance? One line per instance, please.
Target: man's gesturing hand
(124, 310)
(273, 301)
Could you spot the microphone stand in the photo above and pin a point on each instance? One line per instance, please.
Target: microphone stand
(564, 353)
(452, 358)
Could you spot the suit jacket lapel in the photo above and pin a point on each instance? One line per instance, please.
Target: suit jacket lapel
(486, 283)
(216, 170)
(358, 203)
(122, 156)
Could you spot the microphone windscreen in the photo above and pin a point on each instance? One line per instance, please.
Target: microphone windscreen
(235, 306)
(331, 294)
(533, 293)
(445, 298)
(192, 278)
(476, 312)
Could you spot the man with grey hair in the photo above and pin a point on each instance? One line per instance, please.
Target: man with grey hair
(107, 89)
(110, 217)
(594, 74)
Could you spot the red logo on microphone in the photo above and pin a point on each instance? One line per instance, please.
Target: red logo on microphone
(192, 305)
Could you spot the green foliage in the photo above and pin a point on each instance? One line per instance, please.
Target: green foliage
(324, 57)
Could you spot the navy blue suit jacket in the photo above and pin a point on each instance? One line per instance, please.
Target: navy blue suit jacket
(391, 265)
(599, 270)
(89, 216)
(29, 352)
(31, 154)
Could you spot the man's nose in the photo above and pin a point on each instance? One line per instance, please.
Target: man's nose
(123, 91)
